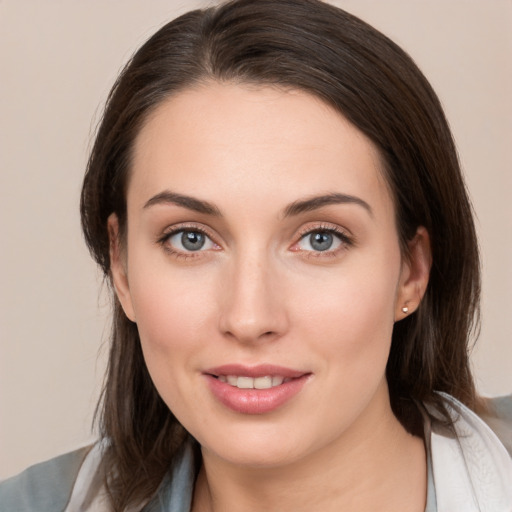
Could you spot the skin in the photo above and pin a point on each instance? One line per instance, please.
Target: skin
(258, 292)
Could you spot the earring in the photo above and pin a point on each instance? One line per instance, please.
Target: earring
(405, 310)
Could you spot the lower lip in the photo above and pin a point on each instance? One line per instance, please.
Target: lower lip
(255, 401)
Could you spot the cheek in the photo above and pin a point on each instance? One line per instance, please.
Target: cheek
(170, 315)
(169, 321)
(348, 329)
(351, 317)
(170, 302)
(171, 308)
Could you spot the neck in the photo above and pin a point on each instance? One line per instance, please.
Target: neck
(374, 465)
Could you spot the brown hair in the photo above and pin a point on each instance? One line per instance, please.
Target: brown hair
(315, 47)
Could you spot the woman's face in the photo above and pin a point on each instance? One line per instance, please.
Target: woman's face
(263, 270)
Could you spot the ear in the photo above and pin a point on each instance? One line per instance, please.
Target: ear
(118, 267)
(414, 275)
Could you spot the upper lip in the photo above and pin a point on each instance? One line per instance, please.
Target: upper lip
(260, 370)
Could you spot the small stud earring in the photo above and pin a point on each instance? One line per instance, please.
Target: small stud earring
(405, 310)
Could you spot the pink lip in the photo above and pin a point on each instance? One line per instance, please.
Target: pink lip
(255, 401)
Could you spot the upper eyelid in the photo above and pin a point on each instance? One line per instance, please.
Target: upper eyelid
(324, 226)
(176, 228)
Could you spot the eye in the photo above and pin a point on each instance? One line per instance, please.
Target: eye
(323, 240)
(189, 240)
(319, 241)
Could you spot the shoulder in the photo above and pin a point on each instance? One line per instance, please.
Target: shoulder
(499, 418)
(74, 481)
(471, 468)
(44, 487)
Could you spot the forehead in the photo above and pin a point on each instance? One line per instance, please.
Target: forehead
(240, 139)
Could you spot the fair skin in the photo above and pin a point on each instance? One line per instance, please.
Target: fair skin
(255, 278)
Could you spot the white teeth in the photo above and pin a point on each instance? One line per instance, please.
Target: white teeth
(243, 382)
(263, 382)
(277, 380)
(232, 380)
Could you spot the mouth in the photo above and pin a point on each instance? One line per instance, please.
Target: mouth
(244, 382)
(256, 389)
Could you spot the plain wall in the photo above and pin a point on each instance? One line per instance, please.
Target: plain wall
(58, 60)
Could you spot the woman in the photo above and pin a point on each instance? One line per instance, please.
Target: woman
(275, 196)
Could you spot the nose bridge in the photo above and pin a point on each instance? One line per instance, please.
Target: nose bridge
(254, 307)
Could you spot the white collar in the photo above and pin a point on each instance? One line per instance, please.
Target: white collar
(472, 471)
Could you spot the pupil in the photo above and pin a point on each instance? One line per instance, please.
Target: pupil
(192, 240)
(321, 241)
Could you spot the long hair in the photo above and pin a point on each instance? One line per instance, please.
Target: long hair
(314, 47)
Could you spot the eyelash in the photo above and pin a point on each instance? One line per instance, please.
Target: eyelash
(168, 234)
(345, 240)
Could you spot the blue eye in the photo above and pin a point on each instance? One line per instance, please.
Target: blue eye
(187, 240)
(320, 241)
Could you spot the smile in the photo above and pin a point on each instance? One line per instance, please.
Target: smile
(255, 389)
(244, 382)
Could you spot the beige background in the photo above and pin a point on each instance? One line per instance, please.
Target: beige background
(58, 60)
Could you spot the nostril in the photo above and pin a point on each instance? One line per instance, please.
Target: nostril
(267, 334)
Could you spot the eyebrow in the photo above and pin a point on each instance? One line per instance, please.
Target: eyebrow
(313, 203)
(188, 202)
(293, 209)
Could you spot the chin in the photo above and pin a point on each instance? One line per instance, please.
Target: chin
(257, 448)
(267, 458)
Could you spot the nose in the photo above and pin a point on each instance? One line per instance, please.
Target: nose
(253, 301)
